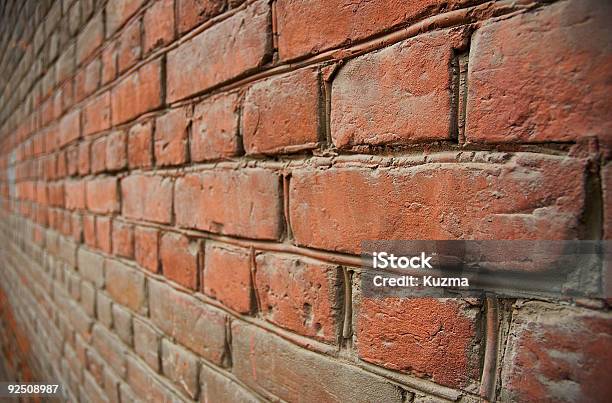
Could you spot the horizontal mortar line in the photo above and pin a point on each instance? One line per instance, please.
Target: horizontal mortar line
(329, 351)
(445, 20)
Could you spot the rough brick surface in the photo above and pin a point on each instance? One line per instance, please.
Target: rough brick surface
(282, 114)
(243, 203)
(185, 186)
(552, 85)
(469, 201)
(222, 52)
(399, 95)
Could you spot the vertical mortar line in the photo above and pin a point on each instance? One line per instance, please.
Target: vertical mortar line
(462, 95)
(253, 271)
(286, 211)
(163, 73)
(348, 304)
(274, 31)
(489, 370)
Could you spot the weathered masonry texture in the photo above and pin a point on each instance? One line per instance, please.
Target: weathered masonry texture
(185, 184)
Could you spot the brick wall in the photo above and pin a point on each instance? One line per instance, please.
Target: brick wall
(185, 184)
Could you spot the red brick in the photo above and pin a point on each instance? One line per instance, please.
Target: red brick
(398, 95)
(140, 92)
(61, 164)
(84, 147)
(215, 129)
(158, 24)
(224, 51)
(181, 367)
(89, 230)
(281, 114)
(179, 258)
(72, 158)
(194, 12)
(103, 234)
(311, 26)
(129, 47)
(557, 353)
(171, 138)
(431, 338)
(87, 79)
(125, 285)
(196, 326)
(75, 194)
(96, 114)
(146, 249)
(147, 198)
(69, 128)
(102, 195)
(541, 76)
(299, 295)
(123, 239)
(90, 38)
(140, 145)
(118, 12)
(56, 194)
(245, 203)
(260, 361)
(98, 155)
(227, 276)
(116, 151)
(109, 63)
(438, 201)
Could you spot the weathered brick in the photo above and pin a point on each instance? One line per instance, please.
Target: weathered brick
(138, 93)
(193, 12)
(146, 248)
(196, 326)
(245, 203)
(147, 198)
(214, 133)
(145, 386)
(541, 76)
(116, 151)
(122, 324)
(109, 63)
(88, 298)
(310, 26)
(158, 24)
(557, 353)
(400, 94)
(438, 201)
(129, 48)
(96, 114)
(89, 230)
(87, 79)
(84, 159)
(123, 239)
(180, 259)
(75, 194)
(103, 234)
(181, 367)
(432, 338)
(110, 348)
(606, 175)
(90, 38)
(98, 155)
(146, 344)
(281, 114)
(118, 12)
(69, 128)
(104, 310)
(102, 195)
(328, 379)
(171, 138)
(140, 145)
(300, 295)
(217, 388)
(125, 285)
(224, 51)
(227, 276)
